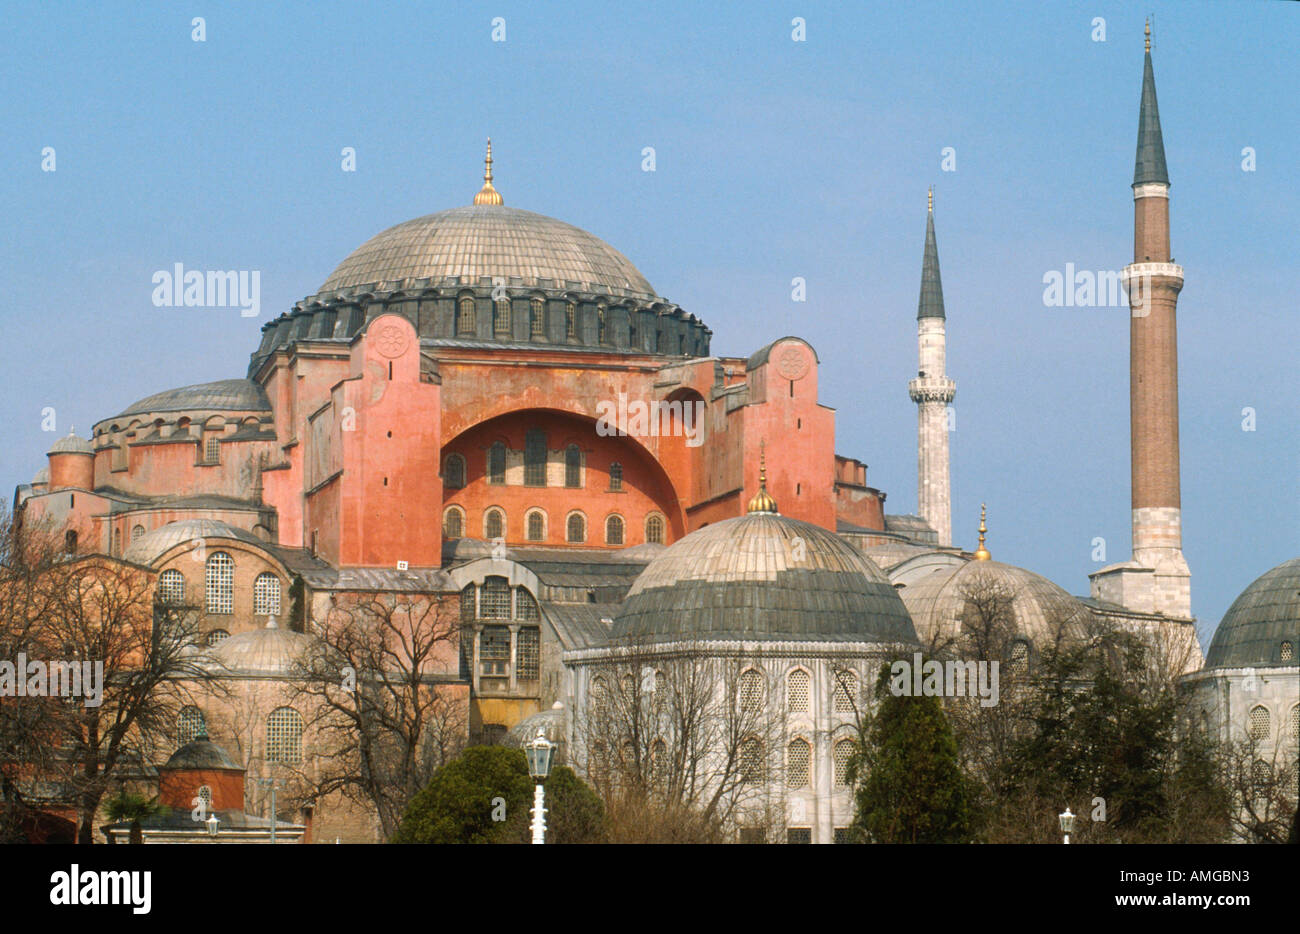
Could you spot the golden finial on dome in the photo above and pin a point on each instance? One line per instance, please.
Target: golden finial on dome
(931, 206)
(1148, 32)
(762, 501)
(487, 194)
(982, 553)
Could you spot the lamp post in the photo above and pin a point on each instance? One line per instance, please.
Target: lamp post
(1067, 823)
(212, 823)
(539, 753)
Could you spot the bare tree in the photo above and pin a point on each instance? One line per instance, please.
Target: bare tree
(1263, 785)
(385, 704)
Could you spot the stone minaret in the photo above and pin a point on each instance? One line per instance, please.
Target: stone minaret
(1157, 580)
(932, 391)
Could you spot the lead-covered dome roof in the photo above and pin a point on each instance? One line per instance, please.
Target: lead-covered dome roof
(495, 241)
(1261, 622)
(201, 753)
(767, 577)
(269, 650)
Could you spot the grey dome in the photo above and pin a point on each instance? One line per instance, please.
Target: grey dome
(1265, 615)
(225, 395)
(269, 649)
(150, 546)
(201, 753)
(42, 477)
(938, 601)
(764, 576)
(552, 723)
(494, 241)
(72, 444)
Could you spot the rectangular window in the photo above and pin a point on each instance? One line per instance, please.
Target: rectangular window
(212, 449)
(494, 650)
(529, 651)
(842, 835)
(798, 835)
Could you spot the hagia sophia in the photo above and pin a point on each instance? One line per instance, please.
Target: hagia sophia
(428, 422)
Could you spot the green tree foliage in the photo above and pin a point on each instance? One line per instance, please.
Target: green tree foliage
(468, 798)
(914, 789)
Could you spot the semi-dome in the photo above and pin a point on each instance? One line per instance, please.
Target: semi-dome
(201, 753)
(71, 444)
(764, 576)
(1262, 627)
(1036, 608)
(495, 241)
(150, 546)
(224, 395)
(267, 650)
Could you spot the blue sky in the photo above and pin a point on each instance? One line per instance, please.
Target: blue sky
(775, 159)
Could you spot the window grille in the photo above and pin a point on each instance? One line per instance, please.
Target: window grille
(616, 476)
(212, 449)
(572, 467)
(453, 524)
(494, 602)
(466, 325)
(537, 322)
(468, 603)
(1287, 651)
(497, 463)
(1295, 724)
(190, 724)
(1020, 657)
(798, 764)
(614, 530)
(535, 458)
(842, 835)
(216, 637)
(220, 583)
(577, 529)
(205, 798)
(501, 318)
(1260, 728)
(284, 736)
(751, 690)
(171, 586)
(797, 691)
(136, 532)
(453, 472)
(528, 648)
(654, 530)
(1260, 774)
(525, 605)
(494, 650)
(536, 526)
(266, 595)
(570, 321)
(751, 760)
(846, 692)
(493, 525)
(798, 835)
(843, 752)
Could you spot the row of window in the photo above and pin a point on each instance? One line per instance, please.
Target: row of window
(1260, 723)
(535, 526)
(794, 835)
(284, 728)
(495, 599)
(798, 762)
(798, 690)
(466, 322)
(219, 587)
(454, 470)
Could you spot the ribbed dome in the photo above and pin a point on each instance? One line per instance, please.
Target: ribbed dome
(267, 650)
(764, 576)
(42, 476)
(201, 753)
(233, 395)
(938, 602)
(1267, 614)
(152, 545)
(72, 444)
(494, 241)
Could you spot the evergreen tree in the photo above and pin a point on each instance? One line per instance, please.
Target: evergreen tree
(914, 789)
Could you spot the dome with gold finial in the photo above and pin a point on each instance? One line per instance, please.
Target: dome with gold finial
(762, 501)
(487, 194)
(982, 553)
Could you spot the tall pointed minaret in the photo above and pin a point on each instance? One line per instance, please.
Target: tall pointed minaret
(1157, 580)
(932, 391)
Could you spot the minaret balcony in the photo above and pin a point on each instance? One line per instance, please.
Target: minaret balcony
(932, 389)
(1169, 273)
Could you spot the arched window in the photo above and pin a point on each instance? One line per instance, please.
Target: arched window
(205, 798)
(1295, 724)
(70, 541)
(216, 637)
(528, 648)
(494, 524)
(654, 530)
(171, 586)
(136, 531)
(751, 690)
(599, 695)
(536, 526)
(573, 467)
(525, 604)
(453, 523)
(751, 760)
(614, 530)
(220, 580)
(535, 457)
(114, 541)
(842, 753)
(1020, 657)
(266, 595)
(846, 692)
(284, 736)
(798, 763)
(1260, 727)
(453, 472)
(537, 318)
(1261, 776)
(570, 321)
(796, 690)
(212, 448)
(466, 325)
(616, 476)
(576, 529)
(600, 324)
(190, 725)
(496, 472)
(494, 600)
(659, 760)
(468, 603)
(1286, 651)
(501, 318)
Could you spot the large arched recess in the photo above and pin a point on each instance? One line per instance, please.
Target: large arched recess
(646, 487)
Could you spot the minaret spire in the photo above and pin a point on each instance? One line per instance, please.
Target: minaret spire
(487, 194)
(1150, 165)
(932, 391)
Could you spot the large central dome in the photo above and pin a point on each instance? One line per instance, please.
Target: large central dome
(494, 241)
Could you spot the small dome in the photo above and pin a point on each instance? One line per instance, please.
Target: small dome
(150, 546)
(1267, 614)
(551, 722)
(269, 649)
(764, 576)
(72, 444)
(42, 477)
(201, 753)
(224, 395)
(938, 601)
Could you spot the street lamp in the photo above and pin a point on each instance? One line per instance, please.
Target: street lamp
(539, 753)
(212, 823)
(1067, 823)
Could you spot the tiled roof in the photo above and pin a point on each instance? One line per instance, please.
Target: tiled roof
(1265, 615)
